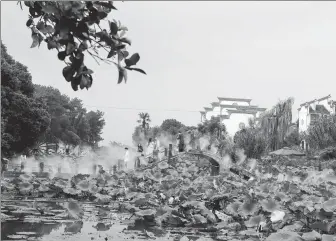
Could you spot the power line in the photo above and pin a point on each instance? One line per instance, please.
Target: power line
(140, 109)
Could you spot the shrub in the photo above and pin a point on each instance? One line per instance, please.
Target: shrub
(251, 141)
(322, 133)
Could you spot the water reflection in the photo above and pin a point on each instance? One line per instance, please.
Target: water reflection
(26, 229)
(75, 227)
(21, 220)
(102, 227)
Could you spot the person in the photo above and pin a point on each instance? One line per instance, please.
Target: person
(121, 164)
(137, 161)
(180, 142)
(4, 165)
(126, 157)
(156, 148)
(140, 148)
(150, 149)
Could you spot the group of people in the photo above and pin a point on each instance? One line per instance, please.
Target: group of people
(152, 152)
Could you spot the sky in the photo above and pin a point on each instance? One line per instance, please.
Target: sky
(194, 52)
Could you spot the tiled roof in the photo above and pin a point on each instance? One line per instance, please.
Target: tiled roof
(242, 111)
(324, 98)
(234, 99)
(312, 101)
(215, 104)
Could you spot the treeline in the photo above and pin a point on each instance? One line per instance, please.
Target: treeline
(274, 130)
(32, 115)
(169, 129)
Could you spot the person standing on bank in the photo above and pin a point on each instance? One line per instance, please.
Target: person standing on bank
(156, 149)
(150, 150)
(180, 140)
(126, 157)
(137, 161)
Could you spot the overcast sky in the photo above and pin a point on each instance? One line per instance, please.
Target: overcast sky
(194, 52)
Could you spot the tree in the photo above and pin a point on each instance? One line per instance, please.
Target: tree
(74, 29)
(24, 118)
(252, 141)
(213, 127)
(96, 122)
(171, 126)
(140, 137)
(293, 137)
(70, 123)
(276, 122)
(322, 134)
(63, 112)
(144, 120)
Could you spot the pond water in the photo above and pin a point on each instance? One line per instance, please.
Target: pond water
(21, 220)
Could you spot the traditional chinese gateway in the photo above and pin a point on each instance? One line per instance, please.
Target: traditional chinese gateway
(234, 112)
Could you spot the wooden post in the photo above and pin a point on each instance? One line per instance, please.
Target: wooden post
(166, 152)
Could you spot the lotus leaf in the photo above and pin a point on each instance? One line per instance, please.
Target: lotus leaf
(330, 205)
(74, 209)
(25, 186)
(26, 177)
(163, 165)
(147, 212)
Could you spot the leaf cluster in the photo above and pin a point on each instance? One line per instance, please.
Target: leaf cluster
(74, 29)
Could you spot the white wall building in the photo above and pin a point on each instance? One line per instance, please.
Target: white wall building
(233, 112)
(311, 111)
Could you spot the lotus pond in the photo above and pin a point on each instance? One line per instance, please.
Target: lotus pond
(178, 201)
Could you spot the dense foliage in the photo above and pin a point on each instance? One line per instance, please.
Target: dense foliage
(293, 137)
(322, 134)
(24, 118)
(172, 126)
(213, 127)
(276, 123)
(74, 28)
(71, 124)
(32, 115)
(251, 141)
(167, 130)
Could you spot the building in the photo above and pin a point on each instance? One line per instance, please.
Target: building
(234, 112)
(309, 112)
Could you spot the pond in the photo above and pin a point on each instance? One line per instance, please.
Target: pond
(47, 220)
(20, 220)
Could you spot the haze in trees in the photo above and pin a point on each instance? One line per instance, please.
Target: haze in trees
(75, 28)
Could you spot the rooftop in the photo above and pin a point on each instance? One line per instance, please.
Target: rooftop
(312, 101)
(234, 99)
